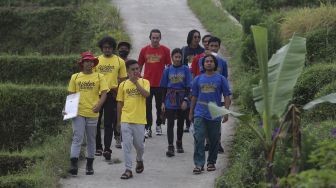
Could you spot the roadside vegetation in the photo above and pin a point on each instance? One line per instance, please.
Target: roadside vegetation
(313, 20)
(40, 45)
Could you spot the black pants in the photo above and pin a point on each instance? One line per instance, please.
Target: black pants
(187, 121)
(180, 115)
(154, 92)
(109, 109)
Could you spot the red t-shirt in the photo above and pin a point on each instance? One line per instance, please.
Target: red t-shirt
(194, 65)
(154, 60)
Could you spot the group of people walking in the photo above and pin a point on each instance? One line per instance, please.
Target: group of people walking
(182, 83)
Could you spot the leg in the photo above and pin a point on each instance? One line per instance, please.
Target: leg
(138, 142)
(187, 121)
(179, 130)
(126, 131)
(199, 136)
(213, 128)
(90, 136)
(116, 129)
(158, 102)
(149, 116)
(170, 114)
(108, 113)
(99, 145)
(78, 129)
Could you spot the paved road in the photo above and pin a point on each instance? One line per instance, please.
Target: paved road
(175, 20)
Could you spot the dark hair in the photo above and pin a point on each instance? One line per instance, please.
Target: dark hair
(175, 51)
(191, 35)
(130, 62)
(124, 43)
(214, 39)
(154, 31)
(213, 57)
(109, 40)
(206, 36)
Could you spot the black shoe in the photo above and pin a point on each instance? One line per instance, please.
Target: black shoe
(220, 149)
(150, 133)
(186, 130)
(171, 151)
(179, 148)
(206, 147)
(74, 166)
(107, 154)
(89, 166)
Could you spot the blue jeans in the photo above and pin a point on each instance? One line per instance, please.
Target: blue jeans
(212, 128)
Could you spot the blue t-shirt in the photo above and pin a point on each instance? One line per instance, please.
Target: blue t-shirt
(176, 80)
(209, 89)
(221, 68)
(189, 53)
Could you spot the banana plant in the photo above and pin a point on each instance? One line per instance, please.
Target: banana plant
(278, 78)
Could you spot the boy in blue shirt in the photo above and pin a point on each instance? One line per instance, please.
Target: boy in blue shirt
(207, 87)
(175, 84)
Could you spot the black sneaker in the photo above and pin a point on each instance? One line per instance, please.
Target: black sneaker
(206, 147)
(107, 154)
(186, 130)
(220, 149)
(171, 151)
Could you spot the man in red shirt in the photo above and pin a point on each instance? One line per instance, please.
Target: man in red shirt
(155, 57)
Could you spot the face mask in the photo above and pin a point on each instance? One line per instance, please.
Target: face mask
(123, 53)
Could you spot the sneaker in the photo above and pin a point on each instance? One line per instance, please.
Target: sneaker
(206, 147)
(158, 130)
(107, 154)
(186, 130)
(150, 133)
(118, 143)
(146, 133)
(171, 151)
(220, 149)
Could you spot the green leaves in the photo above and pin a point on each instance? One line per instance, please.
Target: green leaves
(331, 98)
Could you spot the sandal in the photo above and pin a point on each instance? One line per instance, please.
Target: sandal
(197, 170)
(99, 152)
(126, 175)
(139, 167)
(211, 167)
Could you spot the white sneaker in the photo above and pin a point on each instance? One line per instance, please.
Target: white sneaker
(158, 130)
(146, 133)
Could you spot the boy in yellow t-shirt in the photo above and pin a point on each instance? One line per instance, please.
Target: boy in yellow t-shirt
(131, 112)
(113, 68)
(89, 85)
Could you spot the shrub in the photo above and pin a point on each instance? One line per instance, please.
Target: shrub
(38, 69)
(65, 30)
(23, 3)
(311, 178)
(250, 17)
(312, 80)
(24, 180)
(10, 164)
(29, 113)
(321, 44)
(323, 111)
(246, 161)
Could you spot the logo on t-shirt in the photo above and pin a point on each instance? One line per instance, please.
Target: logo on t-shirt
(176, 78)
(86, 85)
(153, 58)
(208, 88)
(105, 68)
(132, 92)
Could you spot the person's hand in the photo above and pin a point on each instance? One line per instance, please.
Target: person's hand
(191, 116)
(184, 105)
(96, 108)
(163, 107)
(225, 118)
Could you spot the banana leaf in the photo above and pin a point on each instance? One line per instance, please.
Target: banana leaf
(217, 111)
(284, 68)
(331, 98)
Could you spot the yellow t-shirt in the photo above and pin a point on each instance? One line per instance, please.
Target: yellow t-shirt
(112, 68)
(134, 110)
(89, 86)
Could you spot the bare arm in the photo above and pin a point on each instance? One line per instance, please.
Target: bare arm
(142, 91)
(119, 108)
(227, 103)
(100, 103)
(192, 107)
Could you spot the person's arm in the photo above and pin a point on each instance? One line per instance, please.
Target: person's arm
(142, 59)
(100, 103)
(120, 105)
(142, 90)
(192, 107)
(227, 103)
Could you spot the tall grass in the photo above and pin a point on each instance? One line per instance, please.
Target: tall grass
(304, 20)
